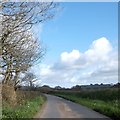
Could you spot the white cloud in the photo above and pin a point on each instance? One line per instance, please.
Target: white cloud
(45, 71)
(102, 45)
(96, 65)
(70, 57)
(99, 50)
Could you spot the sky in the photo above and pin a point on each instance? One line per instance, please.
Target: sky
(82, 42)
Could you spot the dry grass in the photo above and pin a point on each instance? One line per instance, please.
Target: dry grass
(15, 98)
(23, 95)
(20, 104)
(9, 95)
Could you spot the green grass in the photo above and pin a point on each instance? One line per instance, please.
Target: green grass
(26, 110)
(103, 101)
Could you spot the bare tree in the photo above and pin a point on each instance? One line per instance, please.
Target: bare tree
(29, 78)
(18, 48)
(23, 52)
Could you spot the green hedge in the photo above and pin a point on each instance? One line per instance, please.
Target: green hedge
(103, 101)
(26, 110)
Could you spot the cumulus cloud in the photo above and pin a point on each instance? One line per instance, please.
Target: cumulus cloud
(45, 71)
(99, 50)
(70, 57)
(98, 64)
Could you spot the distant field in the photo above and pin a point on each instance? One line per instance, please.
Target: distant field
(104, 101)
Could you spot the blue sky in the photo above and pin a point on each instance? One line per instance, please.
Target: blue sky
(77, 25)
(76, 30)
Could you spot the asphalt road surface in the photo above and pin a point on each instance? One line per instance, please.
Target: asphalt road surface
(57, 107)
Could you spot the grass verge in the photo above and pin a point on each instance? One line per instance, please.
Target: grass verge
(27, 107)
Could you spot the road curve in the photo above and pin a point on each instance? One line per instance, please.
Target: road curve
(57, 107)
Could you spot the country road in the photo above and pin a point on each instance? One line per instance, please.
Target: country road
(57, 107)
